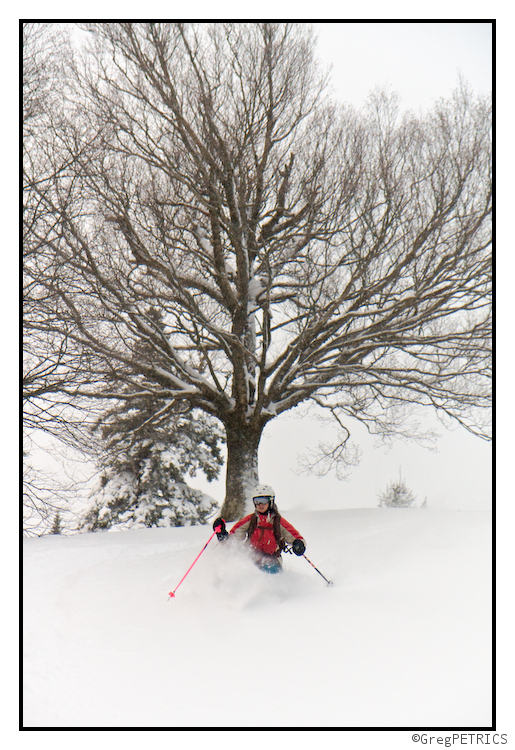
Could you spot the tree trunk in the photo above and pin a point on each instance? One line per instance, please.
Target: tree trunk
(242, 469)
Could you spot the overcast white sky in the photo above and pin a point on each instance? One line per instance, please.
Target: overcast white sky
(421, 61)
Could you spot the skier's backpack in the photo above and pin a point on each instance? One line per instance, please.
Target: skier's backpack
(276, 529)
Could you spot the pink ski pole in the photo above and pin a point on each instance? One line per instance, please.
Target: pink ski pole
(172, 593)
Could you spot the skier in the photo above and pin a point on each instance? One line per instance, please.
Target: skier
(265, 531)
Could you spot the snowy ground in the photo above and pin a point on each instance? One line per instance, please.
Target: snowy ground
(402, 639)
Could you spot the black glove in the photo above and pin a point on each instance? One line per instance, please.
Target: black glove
(298, 547)
(219, 528)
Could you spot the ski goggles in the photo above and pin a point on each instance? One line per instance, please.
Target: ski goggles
(261, 500)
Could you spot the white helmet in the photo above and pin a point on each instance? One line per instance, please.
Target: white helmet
(264, 490)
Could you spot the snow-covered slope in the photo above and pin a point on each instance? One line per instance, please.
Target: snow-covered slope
(402, 639)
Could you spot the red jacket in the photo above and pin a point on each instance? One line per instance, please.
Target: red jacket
(263, 537)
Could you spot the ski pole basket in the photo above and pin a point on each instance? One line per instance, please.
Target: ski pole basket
(290, 551)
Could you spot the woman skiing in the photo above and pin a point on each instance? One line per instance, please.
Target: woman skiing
(265, 531)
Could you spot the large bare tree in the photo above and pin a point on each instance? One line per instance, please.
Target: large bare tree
(298, 250)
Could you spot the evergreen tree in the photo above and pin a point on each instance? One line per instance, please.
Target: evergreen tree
(150, 447)
(397, 495)
(57, 527)
(143, 478)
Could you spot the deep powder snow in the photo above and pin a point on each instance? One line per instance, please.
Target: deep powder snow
(402, 639)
